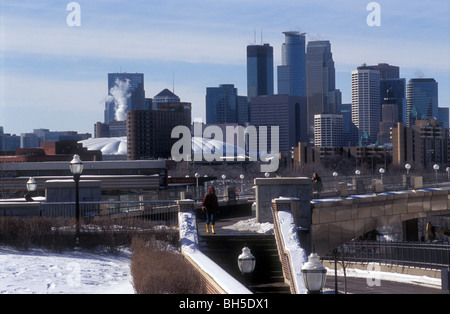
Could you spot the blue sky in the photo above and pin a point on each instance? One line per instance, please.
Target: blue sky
(55, 76)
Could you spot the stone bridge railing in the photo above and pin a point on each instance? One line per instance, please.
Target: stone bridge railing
(336, 221)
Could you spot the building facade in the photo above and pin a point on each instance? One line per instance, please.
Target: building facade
(224, 105)
(149, 131)
(259, 70)
(422, 145)
(286, 112)
(321, 77)
(328, 130)
(292, 71)
(366, 109)
(125, 92)
(421, 99)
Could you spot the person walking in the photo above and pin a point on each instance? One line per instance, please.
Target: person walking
(316, 185)
(210, 206)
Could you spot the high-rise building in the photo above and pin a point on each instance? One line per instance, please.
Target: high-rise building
(387, 71)
(259, 70)
(125, 92)
(322, 96)
(149, 131)
(444, 116)
(395, 90)
(292, 71)
(421, 145)
(421, 99)
(286, 112)
(224, 105)
(366, 109)
(328, 130)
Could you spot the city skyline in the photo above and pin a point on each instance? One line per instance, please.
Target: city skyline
(53, 75)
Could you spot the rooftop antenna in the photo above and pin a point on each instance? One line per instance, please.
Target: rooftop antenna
(261, 36)
(254, 35)
(173, 82)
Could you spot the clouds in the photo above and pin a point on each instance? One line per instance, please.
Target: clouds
(202, 41)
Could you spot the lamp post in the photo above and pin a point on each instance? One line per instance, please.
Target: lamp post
(436, 168)
(335, 175)
(408, 179)
(197, 175)
(314, 274)
(382, 171)
(31, 187)
(448, 173)
(242, 185)
(76, 167)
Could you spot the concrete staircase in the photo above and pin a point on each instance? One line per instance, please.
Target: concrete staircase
(224, 250)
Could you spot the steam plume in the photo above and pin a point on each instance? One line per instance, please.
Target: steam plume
(119, 94)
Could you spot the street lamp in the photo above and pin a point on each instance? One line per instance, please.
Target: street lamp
(314, 274)
(408, 178)
(382, 171)
(242, 185)
(246, 261)
(407, 167)
(448, 173)
(436, 168)
(31, 187)
(76, 167)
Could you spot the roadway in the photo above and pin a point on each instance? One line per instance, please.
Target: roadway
(360, 286)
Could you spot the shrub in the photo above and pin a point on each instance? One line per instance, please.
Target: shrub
(158, 270)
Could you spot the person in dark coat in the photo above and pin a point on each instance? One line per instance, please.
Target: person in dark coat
(210, 206)
(316, 184)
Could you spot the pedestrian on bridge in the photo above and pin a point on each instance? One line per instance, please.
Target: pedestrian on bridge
(317, 185)
(210, 206)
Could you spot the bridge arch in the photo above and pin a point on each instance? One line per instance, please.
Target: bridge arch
(336, 221)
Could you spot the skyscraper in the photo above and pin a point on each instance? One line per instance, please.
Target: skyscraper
(286, 112)
(421, 99)
(125, 92)
(259, 70)
(320, 73)
(292, 71)
(328, 130)
(366, 109)
(223, 105)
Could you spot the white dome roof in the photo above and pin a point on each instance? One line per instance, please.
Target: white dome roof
(108, 145)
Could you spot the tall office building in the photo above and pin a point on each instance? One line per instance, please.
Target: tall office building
(286, 112)
(224, 105)
(259, 70)
(149, 131)
(387, 71)
(366, 109)
(292, 71)
(328, 130)
(125, 92)
(322, 96)
(421, 99)
(395, 90)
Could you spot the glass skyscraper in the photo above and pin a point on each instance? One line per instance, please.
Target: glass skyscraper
(223, 105)
(259, 70)
(421, 99)
(292, 71)
(321, 81)
(125, 92)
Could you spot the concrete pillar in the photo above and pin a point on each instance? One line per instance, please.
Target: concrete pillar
(186, 206)
(268, 189)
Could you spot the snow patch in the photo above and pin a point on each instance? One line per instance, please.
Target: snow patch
(252, 225)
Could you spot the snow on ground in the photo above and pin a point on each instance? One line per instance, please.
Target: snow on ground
(72, 272)
(252, 225)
